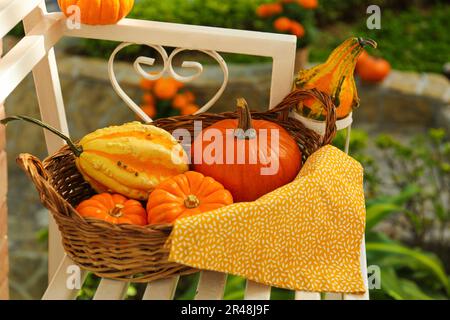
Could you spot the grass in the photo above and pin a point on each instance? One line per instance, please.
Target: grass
(413, 40)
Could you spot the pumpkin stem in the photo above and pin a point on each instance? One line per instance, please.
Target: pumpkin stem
(364, 42)
(245, 128)
(77, 150)
(116, 212)
(191, 202)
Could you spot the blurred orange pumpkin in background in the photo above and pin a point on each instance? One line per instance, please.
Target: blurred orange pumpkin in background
(166, 88)
(269, 9)
(282, 24)
(297, 29)
(372, 69)
(308, 4)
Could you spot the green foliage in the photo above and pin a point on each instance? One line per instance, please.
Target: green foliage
(295, 12)
(410, 39)
(419, 170)
(331, 11)
(423, 162)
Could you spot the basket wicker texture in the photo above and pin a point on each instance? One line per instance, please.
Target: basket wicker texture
(130, 252)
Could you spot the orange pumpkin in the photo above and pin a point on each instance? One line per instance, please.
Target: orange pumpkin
(372, 69)
(185, 195)
(98, 12)
(241, 164)
(113, 208)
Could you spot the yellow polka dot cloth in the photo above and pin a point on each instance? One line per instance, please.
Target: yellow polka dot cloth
(303, 236)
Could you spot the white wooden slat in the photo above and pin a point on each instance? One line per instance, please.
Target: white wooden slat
(26, 54)
(13, 11)
(58, 288)
(282, 74)
(211, 285)
(51, 105)
(364, 296)
(333, 296)
(163, 289)
(257, 291)
(111, 290)
(303, 295)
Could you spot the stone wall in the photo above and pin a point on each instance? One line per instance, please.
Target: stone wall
(4, 263)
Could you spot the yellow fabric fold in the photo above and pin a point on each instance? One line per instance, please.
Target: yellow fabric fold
(303, 236)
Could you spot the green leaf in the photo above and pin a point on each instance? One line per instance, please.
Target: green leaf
(429, 262)
(401, 289)
(376, 213)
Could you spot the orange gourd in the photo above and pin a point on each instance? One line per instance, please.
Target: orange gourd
(113, 208)
(243, 165)
(334, 77)
(130, 159)
(99, 12)
(185, 195)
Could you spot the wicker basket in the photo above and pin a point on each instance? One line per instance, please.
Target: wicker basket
(135, 253)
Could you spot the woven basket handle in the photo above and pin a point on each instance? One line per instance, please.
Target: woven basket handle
(291, 101)
(33, 167)
(37, 173)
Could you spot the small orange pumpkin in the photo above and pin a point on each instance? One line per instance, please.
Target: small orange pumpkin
(185, 195)
(372, 69)
(98, 12)
(113, 208)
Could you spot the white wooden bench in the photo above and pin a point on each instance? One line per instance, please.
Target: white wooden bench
(34, 53)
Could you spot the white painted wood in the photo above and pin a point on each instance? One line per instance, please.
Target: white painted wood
(111, 290)
(303, 295)
(13, 11)
(58, 289)
(190, 36)
(333, 296)
(257, 291)
(211, 285)
(364, 296)
(320, 126)
(347, 138)
(51, 105)
(282, 73)
(26, 54)
(161, 289)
